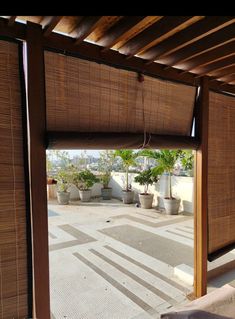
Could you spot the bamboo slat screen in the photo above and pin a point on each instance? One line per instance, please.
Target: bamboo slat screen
(84, 96)
(221, 172)
(13, 244)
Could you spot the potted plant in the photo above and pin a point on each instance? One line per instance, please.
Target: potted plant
(146, 178)
(105, 166)
(128, 159)
(106, 191)
(62, 187)
(166, 160)
(86, 179)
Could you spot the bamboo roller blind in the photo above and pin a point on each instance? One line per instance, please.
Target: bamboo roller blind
(221, 171)
(84, 96)
(13, 245)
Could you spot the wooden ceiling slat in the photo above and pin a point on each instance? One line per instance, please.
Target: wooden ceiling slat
(85, 27)
(224, 72)
(207, 43)
(215, 66)
(51, 25)
(209, 57)
(105, 24)
(228, 78)
(117, 32)
(12, 20)
(152, 34)
(68, 24)
(140, 27)
(187, 36)
(89, 51)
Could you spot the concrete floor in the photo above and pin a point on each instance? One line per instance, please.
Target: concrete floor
(116, 261)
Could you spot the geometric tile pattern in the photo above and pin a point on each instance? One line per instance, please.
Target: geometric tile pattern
(109, 260)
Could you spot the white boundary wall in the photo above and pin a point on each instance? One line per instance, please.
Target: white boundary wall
(182, 187)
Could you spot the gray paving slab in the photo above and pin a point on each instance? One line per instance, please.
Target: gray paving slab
(64, 245)
(166, 250)
(152, 224)
(78, 234)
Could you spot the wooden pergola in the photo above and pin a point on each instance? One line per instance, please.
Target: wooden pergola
(197, 51)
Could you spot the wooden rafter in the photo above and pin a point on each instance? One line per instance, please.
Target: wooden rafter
(187, 36)
(85, 27)
(12, 20)
(91, 51)
(203, 45)
(119, 30)
(224, 72)
(215, 66)
(210, 56)
(50, 26)
(153, 34)
(228, 78)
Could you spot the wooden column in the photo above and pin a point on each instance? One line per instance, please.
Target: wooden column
(201, 205)
(37, 160)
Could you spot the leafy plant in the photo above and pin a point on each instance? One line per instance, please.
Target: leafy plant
(86, 179)
(105, 166)
(187, 159)
(63, 180)
(128, 159)
(146, 178)
(166, 160)
(105, 179)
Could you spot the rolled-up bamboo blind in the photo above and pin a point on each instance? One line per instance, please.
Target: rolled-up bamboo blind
(221, 172)
(13, 244)
(84, 96)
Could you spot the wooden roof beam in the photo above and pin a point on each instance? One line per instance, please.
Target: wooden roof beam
(118, 31)
(226, 71)
(51, 24)
(187, 36)
(209, 57)
(211, 41)
(90, 51)
(228, 78)
(12, 20)
(216, 66)
(161, 29)
(85, 27)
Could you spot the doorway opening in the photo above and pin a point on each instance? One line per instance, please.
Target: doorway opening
(110, 258)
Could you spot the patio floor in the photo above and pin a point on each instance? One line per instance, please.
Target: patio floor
(116, 261)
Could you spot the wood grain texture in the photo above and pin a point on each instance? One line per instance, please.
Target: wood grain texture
(37, 152)
(200, 208)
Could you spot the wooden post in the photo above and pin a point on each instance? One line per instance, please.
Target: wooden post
(37, 162)
(200, 200)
